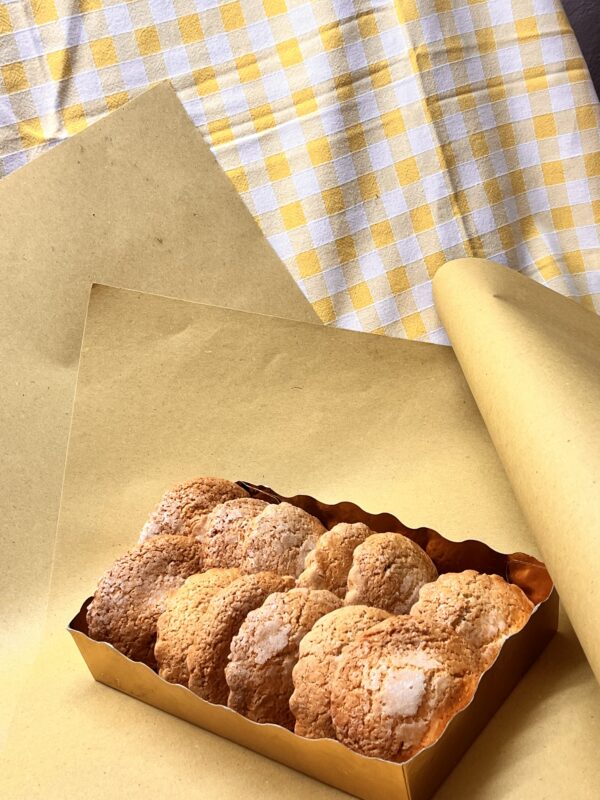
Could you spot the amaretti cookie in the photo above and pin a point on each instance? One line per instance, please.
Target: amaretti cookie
(185, 505)
(207, 656)
(328, 565)
(388, 569)
(263, 654)
(133, 593)
(222, 532)
(279, 540)
(397, 686)
(178, 623)
(485, 609)
(318, 657)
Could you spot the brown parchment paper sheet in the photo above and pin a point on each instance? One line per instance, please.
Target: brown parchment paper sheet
(532, 360)
(169, 389)
(136, 200)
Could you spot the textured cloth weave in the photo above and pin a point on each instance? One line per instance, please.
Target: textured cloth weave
(372, 141)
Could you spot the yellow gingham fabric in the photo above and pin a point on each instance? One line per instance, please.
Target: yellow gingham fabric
(372, 141)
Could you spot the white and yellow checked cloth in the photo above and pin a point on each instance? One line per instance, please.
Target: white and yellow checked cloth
(372, 141)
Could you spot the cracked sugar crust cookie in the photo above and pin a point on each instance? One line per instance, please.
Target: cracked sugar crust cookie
(328, 565)
(207, 656)
(318, 657)
(485, 609)
(279, 540)
(397, 686)
(263, 653)
(388, 569)
(222, 533)
(185, 505)
(133, 593)
(177, 624)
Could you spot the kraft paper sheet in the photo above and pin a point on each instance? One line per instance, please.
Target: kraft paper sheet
(168, 389)
(532, 361)
(137, 200)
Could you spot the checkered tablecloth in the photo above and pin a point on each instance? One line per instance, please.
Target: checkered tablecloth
(372, 141)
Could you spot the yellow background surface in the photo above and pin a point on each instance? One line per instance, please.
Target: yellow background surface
(169, 389)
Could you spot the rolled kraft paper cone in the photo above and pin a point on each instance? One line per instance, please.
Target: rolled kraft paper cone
(532, 360)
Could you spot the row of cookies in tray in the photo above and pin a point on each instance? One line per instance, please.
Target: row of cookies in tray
(235, 530)
(341, 633)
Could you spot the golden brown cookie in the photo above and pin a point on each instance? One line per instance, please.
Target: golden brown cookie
(328, 565)
(388, 569)
(222, 533)
(318, 656)
(133, 593)
(263, 653)
(485, 609)
(397, 686)
(184, 506)
(177, 624)
(209, 651)
(279, 540)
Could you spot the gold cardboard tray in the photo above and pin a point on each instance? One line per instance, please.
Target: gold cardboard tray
(328, 760)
